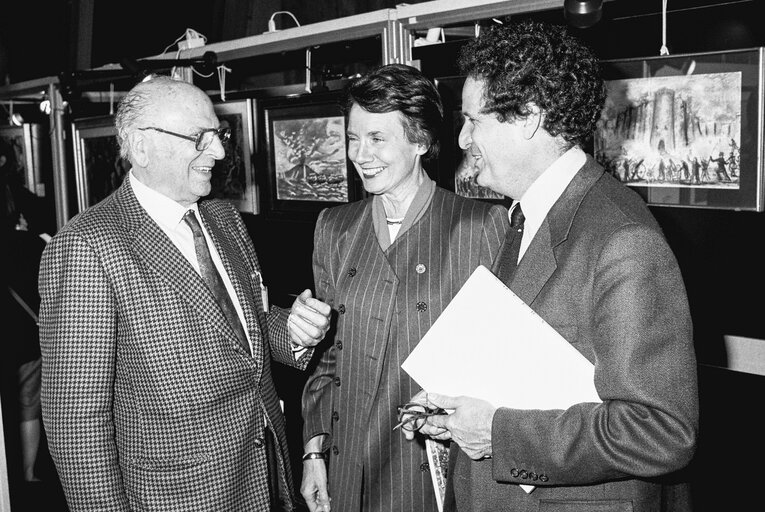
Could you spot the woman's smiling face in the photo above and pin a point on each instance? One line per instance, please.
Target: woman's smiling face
(386, 161)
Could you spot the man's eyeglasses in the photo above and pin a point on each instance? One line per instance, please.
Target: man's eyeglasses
(412, 416)
(202, 140)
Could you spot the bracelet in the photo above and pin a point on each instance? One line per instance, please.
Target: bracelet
(314, 455)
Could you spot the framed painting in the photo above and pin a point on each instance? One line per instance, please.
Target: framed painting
(233, 178)
(21, 154)
(455, 169)
(305, 148)
(686, 130)
(99, 169)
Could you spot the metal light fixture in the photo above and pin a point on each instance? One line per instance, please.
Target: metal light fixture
(582, 13)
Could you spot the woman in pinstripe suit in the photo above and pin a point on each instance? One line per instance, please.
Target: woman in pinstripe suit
(388, 265)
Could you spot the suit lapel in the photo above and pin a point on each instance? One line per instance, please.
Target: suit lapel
(540, 261)
(536, 266)
(160, 255)
(237, 270)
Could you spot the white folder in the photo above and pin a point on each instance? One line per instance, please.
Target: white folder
(489, 344)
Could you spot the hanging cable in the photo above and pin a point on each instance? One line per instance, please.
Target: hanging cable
(272, 22)
(663, 50)
(308, 69)
(222, 70)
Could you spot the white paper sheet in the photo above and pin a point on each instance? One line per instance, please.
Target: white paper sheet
(489, 344)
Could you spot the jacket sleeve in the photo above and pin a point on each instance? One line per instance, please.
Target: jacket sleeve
(79, 348)
(317, 394)
(279, 337)
(645, 375)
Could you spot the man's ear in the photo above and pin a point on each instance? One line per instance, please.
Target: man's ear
(139, 148)
(533, 121)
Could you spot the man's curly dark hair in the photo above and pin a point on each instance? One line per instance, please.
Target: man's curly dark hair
(532, 62)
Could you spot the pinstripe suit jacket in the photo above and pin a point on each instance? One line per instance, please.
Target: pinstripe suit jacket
(149, 401)
(385, 301)
(600, 272)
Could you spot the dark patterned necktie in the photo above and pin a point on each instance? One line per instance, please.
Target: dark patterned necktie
(508, 258)
(213, 279)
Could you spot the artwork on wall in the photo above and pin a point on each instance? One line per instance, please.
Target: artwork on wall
(455, 169)
(686, 130)
(233, 178)
(22, 154)
(99, 169)
(307, 166)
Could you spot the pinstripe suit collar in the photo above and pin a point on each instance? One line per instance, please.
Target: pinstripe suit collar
(539, 262)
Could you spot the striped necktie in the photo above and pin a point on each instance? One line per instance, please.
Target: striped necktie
(508, 258)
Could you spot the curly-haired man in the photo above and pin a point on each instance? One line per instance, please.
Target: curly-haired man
(592, 262)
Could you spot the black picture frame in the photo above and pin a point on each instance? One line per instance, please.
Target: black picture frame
(304, 155)
(99, 168)
(25, 144)
(686, 130)
(452, 168)
(233, 178)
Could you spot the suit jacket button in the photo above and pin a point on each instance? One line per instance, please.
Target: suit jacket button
(420, 268)
(335, 450)
(514, 473)
(351, 272)
(543, 478)
(341, 309)
(533, 476)
(339, 345)
(337, 381)
(524, 474)
(421, 307)
(335, 416)
(258, 442)
(424, 467)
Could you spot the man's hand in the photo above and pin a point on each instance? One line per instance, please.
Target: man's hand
(308, 321)
(314, 485)
(468, 424)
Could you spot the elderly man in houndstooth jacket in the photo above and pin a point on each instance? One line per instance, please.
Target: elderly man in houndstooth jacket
(157, 390)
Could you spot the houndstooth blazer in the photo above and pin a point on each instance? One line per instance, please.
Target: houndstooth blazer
(149, 401)
(386, 301)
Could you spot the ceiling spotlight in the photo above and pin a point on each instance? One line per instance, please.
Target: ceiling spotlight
(582, 13)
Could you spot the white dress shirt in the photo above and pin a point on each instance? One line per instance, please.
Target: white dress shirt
(168, 214)
(545, 191)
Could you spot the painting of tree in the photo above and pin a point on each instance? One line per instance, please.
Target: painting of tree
(309, 159)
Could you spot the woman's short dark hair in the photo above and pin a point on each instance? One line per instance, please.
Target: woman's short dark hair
(532, 62)
(400, 88)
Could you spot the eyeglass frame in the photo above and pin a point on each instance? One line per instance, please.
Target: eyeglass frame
(412, 412)
(223, 135)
